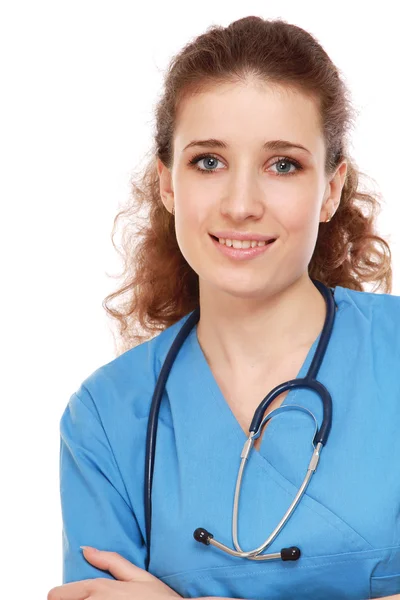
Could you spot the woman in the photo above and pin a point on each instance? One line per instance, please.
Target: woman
(250, 144)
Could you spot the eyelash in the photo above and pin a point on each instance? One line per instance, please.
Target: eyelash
(193, 162)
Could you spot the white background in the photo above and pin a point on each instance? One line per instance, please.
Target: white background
(79, 81)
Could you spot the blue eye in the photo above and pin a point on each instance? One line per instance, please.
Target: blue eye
(214, 159)
(197, 159)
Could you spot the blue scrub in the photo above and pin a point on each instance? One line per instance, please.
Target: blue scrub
(348, 523)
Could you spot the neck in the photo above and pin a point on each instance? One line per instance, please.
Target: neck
(244, 336)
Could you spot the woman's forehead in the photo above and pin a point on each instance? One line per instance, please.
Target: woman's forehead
(246, 115)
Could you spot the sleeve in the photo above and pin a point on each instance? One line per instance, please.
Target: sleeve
(95, 507)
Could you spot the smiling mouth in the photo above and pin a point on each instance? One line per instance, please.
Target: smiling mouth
(266, 243)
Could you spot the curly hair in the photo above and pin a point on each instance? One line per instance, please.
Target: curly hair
(158, 286)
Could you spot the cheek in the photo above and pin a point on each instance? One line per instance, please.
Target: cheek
(190, 231)
(194, 209)
(299, 214)
(303, 230)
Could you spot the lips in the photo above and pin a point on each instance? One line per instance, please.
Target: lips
(241, 254)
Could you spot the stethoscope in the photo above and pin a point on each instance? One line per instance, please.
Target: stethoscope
(319, 440)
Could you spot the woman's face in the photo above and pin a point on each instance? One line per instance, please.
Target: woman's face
(248, 188)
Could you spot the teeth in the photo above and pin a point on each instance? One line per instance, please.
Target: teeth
(241, 243)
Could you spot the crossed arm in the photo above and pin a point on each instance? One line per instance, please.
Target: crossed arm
(131, 583)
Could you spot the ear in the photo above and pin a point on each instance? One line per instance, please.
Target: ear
(166, 191)
(333, 192)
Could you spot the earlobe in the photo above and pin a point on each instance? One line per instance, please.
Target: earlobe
(328, 214)
(326, 210)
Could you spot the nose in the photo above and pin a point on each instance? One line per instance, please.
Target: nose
(243, 197)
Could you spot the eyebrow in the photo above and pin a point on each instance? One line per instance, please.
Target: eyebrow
(271, 145)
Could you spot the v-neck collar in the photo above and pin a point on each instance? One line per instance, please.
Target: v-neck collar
(207, 379)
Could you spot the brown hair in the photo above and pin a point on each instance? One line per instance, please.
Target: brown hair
(159, 285)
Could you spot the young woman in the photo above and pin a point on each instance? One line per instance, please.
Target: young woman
(256, 236)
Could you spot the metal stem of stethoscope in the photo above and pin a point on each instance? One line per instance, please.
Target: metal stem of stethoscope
(320, 438)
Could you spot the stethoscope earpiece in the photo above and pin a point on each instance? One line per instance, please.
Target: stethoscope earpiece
(292, 553)
(202, 535)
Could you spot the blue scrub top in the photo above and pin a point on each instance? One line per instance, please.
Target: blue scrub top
(348, 523)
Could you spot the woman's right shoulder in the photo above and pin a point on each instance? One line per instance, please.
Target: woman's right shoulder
(125, 385)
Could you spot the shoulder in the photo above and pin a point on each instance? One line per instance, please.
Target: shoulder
(370, 302)
(126, 383)
(371, 305)
(373, 317)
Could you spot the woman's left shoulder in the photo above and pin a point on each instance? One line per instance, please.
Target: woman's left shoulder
(374, 319)
(365, 300)
(373, 306)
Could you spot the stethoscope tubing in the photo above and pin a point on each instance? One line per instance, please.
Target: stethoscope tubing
(152, 424)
